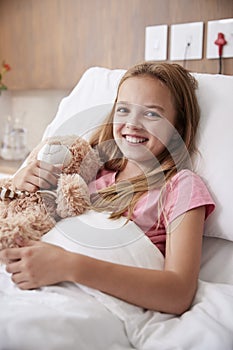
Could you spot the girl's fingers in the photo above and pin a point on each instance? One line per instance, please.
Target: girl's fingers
(47, 175)
(37, 175)
(13, 267)
(50, 168)
(35, 183)
(24, 284)
(30, 186)
(21, 281)
(10, 254)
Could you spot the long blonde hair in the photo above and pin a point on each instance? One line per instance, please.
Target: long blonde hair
(122, 197)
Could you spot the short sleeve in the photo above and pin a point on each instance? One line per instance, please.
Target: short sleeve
(186, 191)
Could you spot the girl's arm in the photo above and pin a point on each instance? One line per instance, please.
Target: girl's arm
(171, 290)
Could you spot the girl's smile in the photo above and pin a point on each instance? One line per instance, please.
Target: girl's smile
(134, 139)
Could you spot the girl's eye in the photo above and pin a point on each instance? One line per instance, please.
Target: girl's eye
(152, 115)
(122, 110)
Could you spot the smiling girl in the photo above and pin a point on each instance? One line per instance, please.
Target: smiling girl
(146, 145)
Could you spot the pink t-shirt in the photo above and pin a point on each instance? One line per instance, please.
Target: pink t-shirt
(184, 192)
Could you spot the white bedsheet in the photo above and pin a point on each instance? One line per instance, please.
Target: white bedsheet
(69, 316)
(62, 317)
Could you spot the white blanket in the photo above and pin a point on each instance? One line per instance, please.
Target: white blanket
(69, 316)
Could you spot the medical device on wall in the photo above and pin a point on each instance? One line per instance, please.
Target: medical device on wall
(220, 42)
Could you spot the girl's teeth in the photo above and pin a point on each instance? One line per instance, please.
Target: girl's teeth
(134, 139)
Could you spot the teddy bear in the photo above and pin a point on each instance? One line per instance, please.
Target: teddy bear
(30, 215)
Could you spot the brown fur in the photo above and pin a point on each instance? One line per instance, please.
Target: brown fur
(32, 215)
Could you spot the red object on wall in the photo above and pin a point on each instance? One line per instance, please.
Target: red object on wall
(220, 41)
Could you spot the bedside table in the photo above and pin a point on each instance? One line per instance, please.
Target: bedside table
(9, 166)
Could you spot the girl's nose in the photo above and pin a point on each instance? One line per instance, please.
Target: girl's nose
(133, 121)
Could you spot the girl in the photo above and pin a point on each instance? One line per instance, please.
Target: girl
(146, 145)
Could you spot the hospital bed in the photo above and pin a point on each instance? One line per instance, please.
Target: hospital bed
(69, 316)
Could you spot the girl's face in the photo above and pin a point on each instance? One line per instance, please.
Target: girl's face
(144, 118)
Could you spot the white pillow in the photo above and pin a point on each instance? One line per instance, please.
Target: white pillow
(215, 143)
(93, 97)
(89, 101)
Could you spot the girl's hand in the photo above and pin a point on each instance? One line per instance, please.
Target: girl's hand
(36, 265)
(36, 175)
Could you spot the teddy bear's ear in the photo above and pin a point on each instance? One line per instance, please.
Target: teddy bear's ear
(85, 160)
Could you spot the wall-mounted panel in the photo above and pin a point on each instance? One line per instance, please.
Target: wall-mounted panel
(156, 43)
(225, 27)
(186, 41)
